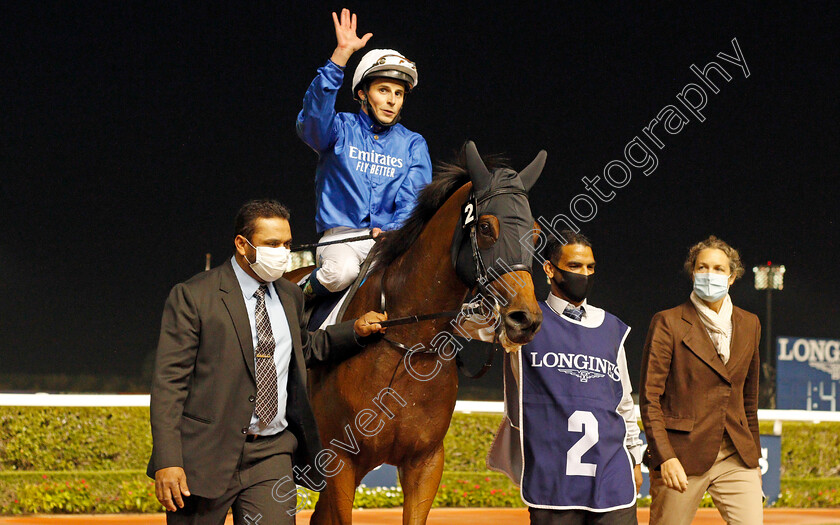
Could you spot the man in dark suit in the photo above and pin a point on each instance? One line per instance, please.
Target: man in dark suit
(231, 420)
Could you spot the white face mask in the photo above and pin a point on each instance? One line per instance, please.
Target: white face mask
(270, 263)
(711, 287)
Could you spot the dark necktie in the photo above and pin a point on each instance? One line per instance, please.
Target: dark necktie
(266, 371)
(574, 313)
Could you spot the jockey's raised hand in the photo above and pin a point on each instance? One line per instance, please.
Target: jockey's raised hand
(345, 35)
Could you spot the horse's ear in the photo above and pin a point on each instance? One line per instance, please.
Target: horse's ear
(478, 171)
(532, 172)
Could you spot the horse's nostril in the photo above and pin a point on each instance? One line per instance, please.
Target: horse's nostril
(520, 318)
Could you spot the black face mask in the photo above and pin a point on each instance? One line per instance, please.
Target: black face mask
(574, 285)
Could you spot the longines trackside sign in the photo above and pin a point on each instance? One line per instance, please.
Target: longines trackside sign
(807, 373)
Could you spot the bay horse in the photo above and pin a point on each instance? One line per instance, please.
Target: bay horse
(391, 403)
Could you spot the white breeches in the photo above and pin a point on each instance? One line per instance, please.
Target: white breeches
(339, 264)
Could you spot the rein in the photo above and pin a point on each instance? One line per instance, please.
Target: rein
(327, 243)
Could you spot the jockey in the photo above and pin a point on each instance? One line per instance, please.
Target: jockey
(370, 168)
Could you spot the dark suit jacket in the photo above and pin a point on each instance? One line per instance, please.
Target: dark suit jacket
(204, 388)
(689, 397)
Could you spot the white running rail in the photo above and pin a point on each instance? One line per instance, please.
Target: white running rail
(465, 407)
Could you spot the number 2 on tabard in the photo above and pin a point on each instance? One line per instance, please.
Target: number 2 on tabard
(582, 421)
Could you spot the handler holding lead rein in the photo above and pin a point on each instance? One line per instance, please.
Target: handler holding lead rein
(370, 168)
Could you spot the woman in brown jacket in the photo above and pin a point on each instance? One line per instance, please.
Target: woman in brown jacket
(699, 397)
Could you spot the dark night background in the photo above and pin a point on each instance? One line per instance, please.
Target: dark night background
(132, 132)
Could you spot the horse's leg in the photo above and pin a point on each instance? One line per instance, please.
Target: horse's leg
(420, 478)
(335, 504)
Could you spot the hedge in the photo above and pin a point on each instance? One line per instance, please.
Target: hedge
(92, 459)
(77, 492)
(468, 441)
(74, 438)
(811, 450)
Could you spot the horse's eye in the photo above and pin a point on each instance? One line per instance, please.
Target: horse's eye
(484, 228)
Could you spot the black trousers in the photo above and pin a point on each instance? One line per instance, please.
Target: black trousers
(251, 492)
(583, 517)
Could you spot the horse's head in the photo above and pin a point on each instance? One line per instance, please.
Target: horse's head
(493, 247)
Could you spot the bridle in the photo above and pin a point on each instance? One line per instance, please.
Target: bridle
(480, 286)
(483, 278)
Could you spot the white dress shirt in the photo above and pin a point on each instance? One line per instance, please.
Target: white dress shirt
(282, 346)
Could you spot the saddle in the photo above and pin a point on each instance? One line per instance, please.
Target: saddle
(322, 311)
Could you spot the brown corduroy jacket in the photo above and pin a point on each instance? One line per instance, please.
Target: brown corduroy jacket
(689, 397)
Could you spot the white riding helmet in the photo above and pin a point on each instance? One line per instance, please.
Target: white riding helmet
(384, 63)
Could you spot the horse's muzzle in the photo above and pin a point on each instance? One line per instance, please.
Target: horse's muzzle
(522, 325)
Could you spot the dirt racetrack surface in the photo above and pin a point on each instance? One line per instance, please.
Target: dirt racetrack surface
(439, 517)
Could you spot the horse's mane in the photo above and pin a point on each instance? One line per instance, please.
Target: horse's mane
(449, 177)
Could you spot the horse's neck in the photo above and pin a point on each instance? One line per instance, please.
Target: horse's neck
(425, 272)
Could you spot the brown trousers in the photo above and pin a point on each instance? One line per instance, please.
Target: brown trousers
(734, 487)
